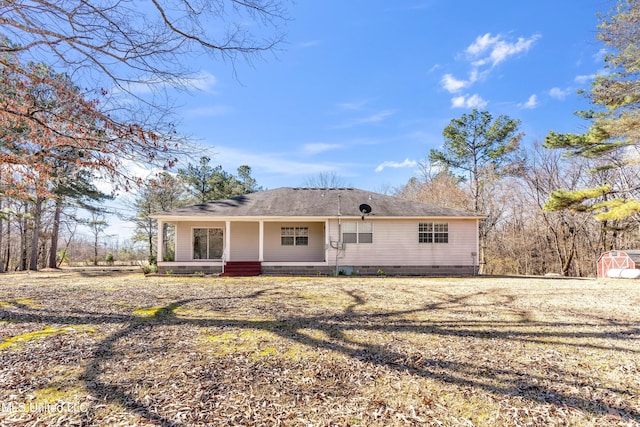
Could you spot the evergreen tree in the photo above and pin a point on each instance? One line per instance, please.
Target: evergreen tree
(613, 138)
(157, 194)
(481, 150)
(207, 183)
(72, 190)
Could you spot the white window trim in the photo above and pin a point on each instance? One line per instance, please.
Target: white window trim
(357, 233)
(433, 232)
(193, 258)
(295, 235)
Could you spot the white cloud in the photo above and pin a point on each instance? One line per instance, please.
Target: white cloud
(600, 55)
(452, 85)
(390, 164)
(210, 111)
(370, 119)
(532, 102)
(130, 168)
(558, 93)
(475, 101)
(203, 81)
(458, 102)
(354, 105)
(262, 163)
(464, 101)
(319, 147)
(481, 44)
(483, 54)
(494, 50)
(310, 43)
(375, 118)
(582, 79)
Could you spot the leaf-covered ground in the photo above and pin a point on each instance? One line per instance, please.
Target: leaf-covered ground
(86, 349)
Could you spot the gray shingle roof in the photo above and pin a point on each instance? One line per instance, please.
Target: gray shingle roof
(314, 202)
(634, 254)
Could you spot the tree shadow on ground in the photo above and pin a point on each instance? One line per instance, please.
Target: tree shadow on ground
(336, 328)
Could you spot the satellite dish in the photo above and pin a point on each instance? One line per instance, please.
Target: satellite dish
(365, 209)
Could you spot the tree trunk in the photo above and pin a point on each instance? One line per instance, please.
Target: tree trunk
(7, 258)
(53, 251)
(23, 239)
(1, 231)
(482, 238)
(65, 251)
(95, 250)
(150, 241)
(35, 241)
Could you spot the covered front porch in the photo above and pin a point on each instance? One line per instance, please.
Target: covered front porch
(201, 246)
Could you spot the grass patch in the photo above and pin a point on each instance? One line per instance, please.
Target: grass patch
(46, 332)
(323, 351)
(147, 312)
(23, 302)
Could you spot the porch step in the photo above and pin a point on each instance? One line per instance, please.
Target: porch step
(242, 268)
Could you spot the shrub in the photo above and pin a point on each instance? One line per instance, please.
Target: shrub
(149, 269)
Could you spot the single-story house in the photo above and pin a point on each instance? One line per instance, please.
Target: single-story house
(311, 231)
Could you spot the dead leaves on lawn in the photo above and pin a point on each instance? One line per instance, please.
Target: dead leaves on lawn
(131, 350)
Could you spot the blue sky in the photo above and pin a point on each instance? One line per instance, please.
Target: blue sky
(363, 88)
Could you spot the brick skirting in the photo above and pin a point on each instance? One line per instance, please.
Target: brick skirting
(370, 270)
(363, 270)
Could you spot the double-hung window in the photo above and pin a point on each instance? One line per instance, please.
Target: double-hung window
(357, 232)
(294, 236)
(433, 232)
(208, 243)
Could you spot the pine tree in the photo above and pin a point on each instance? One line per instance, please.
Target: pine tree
(481, 150)
(613, 139)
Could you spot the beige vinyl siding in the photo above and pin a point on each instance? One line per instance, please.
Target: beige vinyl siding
(184, 237)
(245, 241)
(275, 251)
(395, 242)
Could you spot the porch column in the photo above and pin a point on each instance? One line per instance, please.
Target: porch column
(261, 241)
(227, 240)
(327, 239)
(160, 248)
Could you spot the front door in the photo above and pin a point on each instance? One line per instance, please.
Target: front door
(208, 243)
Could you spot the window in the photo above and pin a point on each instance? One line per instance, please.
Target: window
(208, 243)
(294, 236)
(433, 232)
(357, 232)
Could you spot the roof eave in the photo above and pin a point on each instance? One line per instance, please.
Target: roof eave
(192, 218)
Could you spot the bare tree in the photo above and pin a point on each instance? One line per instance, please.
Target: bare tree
(143, 43)
(325, 180)
(441, 189)
(86, 82)
(545, 173)
(97, 223)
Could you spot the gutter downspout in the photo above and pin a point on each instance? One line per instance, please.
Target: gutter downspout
(339, 244)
